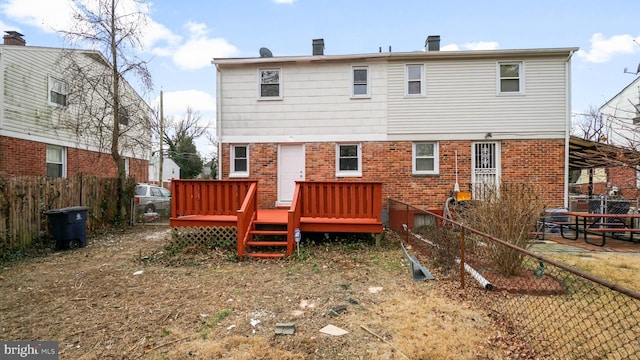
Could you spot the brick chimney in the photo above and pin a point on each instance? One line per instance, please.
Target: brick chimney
(318, 46)
(14, 38)
(432, 43)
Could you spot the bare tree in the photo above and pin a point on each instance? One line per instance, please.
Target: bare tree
(179, 135)
(590, 126)
(108, 109)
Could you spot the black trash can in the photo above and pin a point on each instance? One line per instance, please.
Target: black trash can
(68, 226)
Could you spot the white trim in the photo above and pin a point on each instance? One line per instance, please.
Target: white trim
(353, 82)
(436, 159)
(521, 79)
(476, 136)
(302, 138)
(232, 156)
(63, 155)
(280, 87)
(349, 173)
(423, 87)
(65, 90)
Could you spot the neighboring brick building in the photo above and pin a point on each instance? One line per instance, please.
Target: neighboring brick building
(37, 117)
(406, 119)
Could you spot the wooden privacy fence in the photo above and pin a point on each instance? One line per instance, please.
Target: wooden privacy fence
(25, 199)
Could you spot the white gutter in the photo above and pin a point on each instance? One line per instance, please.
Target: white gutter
(567, 135)
(219, 120)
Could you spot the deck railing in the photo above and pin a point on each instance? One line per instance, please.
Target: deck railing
(339, 199)
(208, 197)
(247, 213)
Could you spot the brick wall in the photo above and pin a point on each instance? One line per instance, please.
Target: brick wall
(23, 157)
(624, 177)
(538, 162)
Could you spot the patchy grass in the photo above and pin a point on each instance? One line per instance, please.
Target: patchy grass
(115, 299)
(619, 268)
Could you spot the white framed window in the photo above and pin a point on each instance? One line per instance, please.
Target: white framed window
(125, 162)
(348, 160)
(239, 161)
(360, 81)
(414, 80)
(58, 91)
(511, 77)
(270, 82)
(425, 158)
(56, 161)
(123, 116)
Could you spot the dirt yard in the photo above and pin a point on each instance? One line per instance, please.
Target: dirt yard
(120, 298)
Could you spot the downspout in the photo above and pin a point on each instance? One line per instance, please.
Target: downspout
(219, 120)
(567, 134)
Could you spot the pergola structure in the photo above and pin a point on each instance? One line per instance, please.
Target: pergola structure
(588, 154)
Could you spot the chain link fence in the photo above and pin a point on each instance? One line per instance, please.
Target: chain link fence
(558, 311)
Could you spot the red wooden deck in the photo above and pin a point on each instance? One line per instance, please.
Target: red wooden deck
(327, 206)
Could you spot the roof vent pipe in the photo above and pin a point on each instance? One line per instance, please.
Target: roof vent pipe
(432, 43)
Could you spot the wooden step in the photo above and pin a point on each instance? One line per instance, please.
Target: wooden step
(269, 232)
(266, 255)
(266, 243)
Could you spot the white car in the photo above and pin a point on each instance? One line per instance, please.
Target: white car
(153, 199)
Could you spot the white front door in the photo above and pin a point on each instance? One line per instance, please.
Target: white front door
(486, 168)
(291, 164)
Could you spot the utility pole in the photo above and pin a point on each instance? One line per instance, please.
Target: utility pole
(160, 157)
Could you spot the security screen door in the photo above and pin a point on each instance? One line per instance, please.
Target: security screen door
(486, 168)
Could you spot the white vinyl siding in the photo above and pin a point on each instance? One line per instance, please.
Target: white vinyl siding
(29, 76)
(620, 116)
(318, 104)
(463, 104)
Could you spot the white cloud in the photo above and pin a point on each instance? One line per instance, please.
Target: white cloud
(176, 102)
(155, 33)
(49, 16)
(284, 1)
(603, 49)
(198, 51)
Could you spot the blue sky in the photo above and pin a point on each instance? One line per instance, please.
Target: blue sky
(181, 37)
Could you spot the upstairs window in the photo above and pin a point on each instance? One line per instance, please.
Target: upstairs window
(56, 161)
(510, 78)
(270, 84)
(58, 91)
(425, 158)
(123, 116)
(349, 160)
(414, 80)
(239, 161)
(360, 77)
(636, 116)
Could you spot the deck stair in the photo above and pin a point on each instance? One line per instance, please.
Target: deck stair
(268, 235)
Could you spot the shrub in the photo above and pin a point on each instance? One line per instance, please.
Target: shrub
(508, 213)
